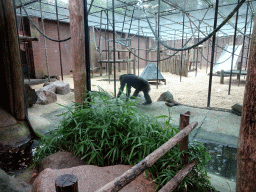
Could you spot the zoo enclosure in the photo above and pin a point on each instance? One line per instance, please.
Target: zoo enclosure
(169, 26)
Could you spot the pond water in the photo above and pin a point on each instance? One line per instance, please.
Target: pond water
(14, 161)
(224, 160)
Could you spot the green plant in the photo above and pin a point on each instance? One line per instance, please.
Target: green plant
(111, 131)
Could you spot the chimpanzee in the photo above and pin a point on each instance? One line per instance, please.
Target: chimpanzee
(136, 82)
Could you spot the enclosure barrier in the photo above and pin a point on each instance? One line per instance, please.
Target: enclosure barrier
(131, 174)
(127, 177)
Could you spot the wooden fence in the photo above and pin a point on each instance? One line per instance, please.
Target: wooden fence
(131, 174)
(173, 65)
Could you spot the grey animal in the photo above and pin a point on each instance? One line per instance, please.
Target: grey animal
(139, 83)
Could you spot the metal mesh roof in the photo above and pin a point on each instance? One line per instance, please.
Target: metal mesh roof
(131, 15)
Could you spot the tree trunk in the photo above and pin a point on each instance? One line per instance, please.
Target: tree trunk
(246, 165)
(10, 69)
(78, 47)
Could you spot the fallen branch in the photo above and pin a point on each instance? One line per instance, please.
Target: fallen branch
(127, 177)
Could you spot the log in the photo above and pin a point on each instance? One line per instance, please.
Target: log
(176, 180)
(27, 39)
(66, 183)
(127, 177)
(222, 77)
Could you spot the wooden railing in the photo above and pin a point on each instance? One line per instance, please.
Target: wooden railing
(127, 177)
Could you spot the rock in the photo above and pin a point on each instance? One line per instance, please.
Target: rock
(60, 160)
(91, 178)
(237, 109)
(166, 96)
(30, 96)
(170, 104)
(29, 175)
(10, 184)
(62, 87)
(6, 119)
(49, 87)
(45, 97)
(15, 135)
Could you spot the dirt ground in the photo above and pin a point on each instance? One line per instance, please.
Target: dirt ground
(191, 90)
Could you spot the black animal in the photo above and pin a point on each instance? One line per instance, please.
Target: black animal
(136, 82)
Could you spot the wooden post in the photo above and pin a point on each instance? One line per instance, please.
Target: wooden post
(239, 67)
(76, 13)
(66, 183)
(184, 121)
(128, 65)
(222, 77)
(11, 70)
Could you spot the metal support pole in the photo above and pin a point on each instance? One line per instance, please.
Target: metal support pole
(249, 43)
(213, 47)
(124, 18)
(233, 52)
(45, 45)
(114, 47)
(208, 48)
(58, 31)
(138, 47)
(197, 53)
(158, 43)
(108, 64)
(26, 46)
(216, 49)
(106, 44)
(87, 48)
(131, 23)
(182, 42)
(246, 17)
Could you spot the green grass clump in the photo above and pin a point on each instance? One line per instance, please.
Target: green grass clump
(110, 131)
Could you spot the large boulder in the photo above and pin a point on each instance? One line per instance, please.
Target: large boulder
(91, 178)
(47, 94)
(166, 96)
(62, 87)
(10, 184)
(45, 97)
(60, 160)
(30, 95)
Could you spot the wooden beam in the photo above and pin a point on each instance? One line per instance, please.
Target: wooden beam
(176, 180)
(27, 39)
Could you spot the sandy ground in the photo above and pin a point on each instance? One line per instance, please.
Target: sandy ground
(191, 90)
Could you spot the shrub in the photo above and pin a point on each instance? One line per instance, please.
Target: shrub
(111, 131)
